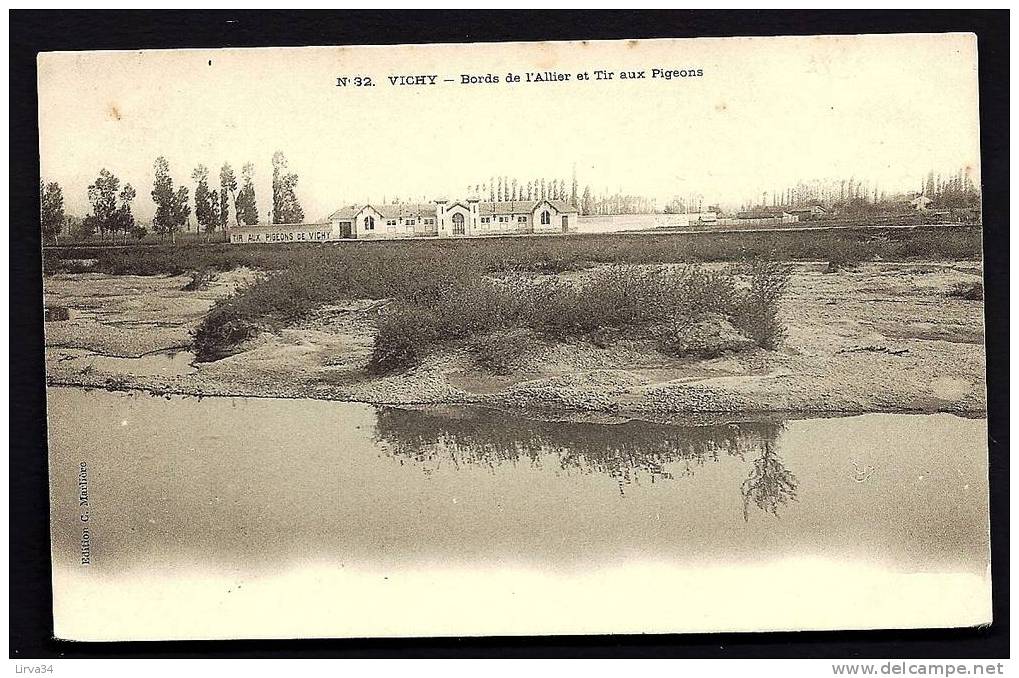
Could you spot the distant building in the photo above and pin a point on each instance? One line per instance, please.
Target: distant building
(808, 212)
(767, 213)
(445, 219)
(920, 203)
(439, 219)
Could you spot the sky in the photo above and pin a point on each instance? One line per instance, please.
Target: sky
(765, 114)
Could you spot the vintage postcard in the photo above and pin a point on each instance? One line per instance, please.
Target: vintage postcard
(643, 336)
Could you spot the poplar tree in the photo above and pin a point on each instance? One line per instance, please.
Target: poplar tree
(245, 205)
(286, 209)
(227, 195)
(206, 201)
(51, 210)
(172, 209)
(102, 195)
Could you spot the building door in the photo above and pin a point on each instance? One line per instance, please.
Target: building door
(566, 224)
(458, 224)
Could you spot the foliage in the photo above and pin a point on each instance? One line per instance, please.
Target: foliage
(227, 194)
(172, 209)
(245, 205)
(206, 201)
(51, 210)
(446, 290)
(285, 207)
(500, 352)
(973, 291)
(844, 255)
(756, 312)
(102, 195)
(200, 280)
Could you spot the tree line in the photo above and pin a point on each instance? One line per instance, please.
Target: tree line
(506, 189)
(952, 191)
(111, 213)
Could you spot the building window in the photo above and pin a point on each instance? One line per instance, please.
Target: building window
(369, 223)
(391, 222)
(521, 220)
(546, 218)
(410, 222)
(486, 220)
(429, 222)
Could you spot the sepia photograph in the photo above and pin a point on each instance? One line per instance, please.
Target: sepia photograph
(650, 336)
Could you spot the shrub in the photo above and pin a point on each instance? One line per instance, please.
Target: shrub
(199, 280)
(756, 314)
(843, 254)
(403, 338)
(220, 333)
(969, 291)
(500, 353)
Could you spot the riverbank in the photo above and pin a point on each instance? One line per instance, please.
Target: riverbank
(883, 337)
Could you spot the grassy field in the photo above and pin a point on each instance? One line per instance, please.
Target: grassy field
(462, 289)
(548, 254)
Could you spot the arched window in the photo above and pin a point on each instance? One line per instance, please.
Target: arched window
(546, 218)
(369, 223)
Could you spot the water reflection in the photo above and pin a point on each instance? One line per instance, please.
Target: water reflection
(770, 484)
(263, 517)
(626, 451)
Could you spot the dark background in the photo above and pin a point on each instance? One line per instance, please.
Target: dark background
(34, 31)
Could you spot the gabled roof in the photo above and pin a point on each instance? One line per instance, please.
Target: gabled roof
(348, 212)
(521, 206)
(762, 213)
(400, 210)
(414, 210)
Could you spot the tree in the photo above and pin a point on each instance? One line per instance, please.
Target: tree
(227, 195)
(573, 190)
(206, 201)
(245, 206)
(285, 207)
(123, 218)
(172, 209)
(513, 195)
(586, 206)
(102, 195)
(51, 210)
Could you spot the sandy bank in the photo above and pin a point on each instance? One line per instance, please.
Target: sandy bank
(882, 338)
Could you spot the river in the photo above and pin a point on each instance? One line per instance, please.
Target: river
(251, 518)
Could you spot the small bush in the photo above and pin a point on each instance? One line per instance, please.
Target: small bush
(756, 314)
(221, 332)
(969, 291)
(843, 255)
(56, 313)
(499, 353)
(404, 336)
(199, 280)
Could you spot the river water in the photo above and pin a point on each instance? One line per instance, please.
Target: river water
(248, 518)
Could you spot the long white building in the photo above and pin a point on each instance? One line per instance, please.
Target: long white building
(438, 219)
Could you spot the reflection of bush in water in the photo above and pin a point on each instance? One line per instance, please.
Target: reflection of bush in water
(622, 451)
(770, 484)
